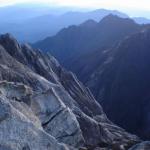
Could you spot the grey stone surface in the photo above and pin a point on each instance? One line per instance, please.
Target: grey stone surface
(57, 119)
(17, 131)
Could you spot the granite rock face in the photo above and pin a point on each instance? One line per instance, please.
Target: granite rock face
(19, 128)
(57, 119)
(43, 105)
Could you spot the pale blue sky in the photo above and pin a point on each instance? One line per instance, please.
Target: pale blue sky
(132, 7)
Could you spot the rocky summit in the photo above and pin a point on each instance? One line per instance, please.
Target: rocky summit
(45, 107)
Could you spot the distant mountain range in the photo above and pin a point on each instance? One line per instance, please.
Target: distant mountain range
(72, 42)
(32, 24)
(141, 20)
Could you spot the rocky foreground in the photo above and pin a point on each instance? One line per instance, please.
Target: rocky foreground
(45, 107)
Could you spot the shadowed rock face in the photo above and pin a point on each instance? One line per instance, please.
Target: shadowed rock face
(43, 103)
(121, 84)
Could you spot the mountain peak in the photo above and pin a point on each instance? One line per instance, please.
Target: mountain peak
(112, 16)
(7, 36)
(115, 12)
(8, 41)
(115, 18)
(89, 23)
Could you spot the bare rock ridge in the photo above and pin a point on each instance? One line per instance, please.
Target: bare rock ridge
(43, 106)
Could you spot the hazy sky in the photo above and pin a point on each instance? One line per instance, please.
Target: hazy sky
(134, 7)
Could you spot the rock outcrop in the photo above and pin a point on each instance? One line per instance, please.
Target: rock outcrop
(43, 105)
(19, 128)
